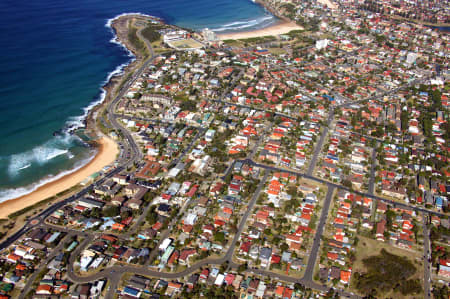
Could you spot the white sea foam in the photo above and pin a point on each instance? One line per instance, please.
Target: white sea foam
(239, 25)
(8, 194)
(56, 153)
(58, 145)
(24, 167)
(40, 155)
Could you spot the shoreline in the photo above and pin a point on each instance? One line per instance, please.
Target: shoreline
(107, 152)
(107, 149)
(281, 27)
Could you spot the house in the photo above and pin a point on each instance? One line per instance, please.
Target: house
(120, 179)
(265, 255)
(90, 203)
(192, 281)
(204, 275)
(118, 200)
(444, 268)
(44, 289)
(237, 282)
(132, 292)
(185, 255)
(335, 273)
(148, 233)
(219, 280)
(380, 230)
(173, 288)
(245, 248)
(134, 204)
(345, 276)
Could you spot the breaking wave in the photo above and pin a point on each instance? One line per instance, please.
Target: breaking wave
(40, 155)
(262, 22)
(7, 194)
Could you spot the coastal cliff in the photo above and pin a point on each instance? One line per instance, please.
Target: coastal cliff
(272, 9)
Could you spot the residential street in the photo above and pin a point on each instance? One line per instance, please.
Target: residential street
(231, 205)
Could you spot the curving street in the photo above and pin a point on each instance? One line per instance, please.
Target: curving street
(114, 273)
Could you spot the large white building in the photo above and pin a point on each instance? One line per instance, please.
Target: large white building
(175, 35)
(322, 44)
(209, 35)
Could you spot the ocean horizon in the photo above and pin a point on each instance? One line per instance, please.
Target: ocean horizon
(55, 59)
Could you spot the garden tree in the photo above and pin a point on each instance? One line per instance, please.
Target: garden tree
(292, 191)
(111, 211)
(284, 247)
(242, 267)
(152, 216)
(347, 183)
(441, 292)
(219, 237)
(390, 216)
(379, 132)
(276, 240)
(188, 105)
(224, 266)
(391, 128)
(95, 212)
(330, 294)
(404, 117)
(435, 234)
(299, 287)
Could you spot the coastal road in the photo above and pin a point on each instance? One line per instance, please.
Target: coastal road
(135, 157)
(48, 211)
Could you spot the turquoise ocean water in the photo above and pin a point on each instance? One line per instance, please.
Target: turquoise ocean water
(55, 56)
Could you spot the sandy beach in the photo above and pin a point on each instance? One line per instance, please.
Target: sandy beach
(107, 152)
(277, 29)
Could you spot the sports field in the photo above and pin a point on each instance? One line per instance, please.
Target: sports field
(186, 44)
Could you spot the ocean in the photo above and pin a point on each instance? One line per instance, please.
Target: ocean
(55, 56)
